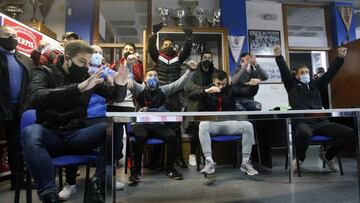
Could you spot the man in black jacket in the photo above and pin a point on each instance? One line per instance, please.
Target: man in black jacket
(201, 78)
(15, 71)
(60, 94)
(304, 93)
(168, 62)
(150, 97)
(248, 74)
(221, 97)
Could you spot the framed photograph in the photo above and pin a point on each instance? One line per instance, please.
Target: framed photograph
(261, 42)
(269, 65)
(214, 40)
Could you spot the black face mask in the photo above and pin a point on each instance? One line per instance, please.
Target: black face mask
(77, 73)
(9, 43)
(207, 64)
(169, 51)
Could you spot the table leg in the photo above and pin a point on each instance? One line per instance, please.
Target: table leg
(358, 150)
(110, 195)
(290, 149)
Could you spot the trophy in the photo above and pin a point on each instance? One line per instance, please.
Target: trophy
(34, 4)
(163, 14)
(200, 14)
(180, 16)
(216, 17)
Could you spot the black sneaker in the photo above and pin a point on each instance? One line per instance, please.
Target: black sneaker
(134, 177)
(50, 198)
(96, 191)
(173, 174)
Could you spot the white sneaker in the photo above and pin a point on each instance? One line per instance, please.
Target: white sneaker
(330, 163)
(247, 168)
(209, 166)
(66, 192)
(192, 160)
(119, 185)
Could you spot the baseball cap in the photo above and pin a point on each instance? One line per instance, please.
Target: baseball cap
(70, 34)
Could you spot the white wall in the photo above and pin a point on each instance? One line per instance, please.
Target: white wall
(55, 20)
(270, 95)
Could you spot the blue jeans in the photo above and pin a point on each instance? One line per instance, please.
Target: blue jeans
(40, 144)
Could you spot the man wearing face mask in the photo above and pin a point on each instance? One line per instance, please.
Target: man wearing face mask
(150, 97)
(137, 66)
(219, 96)
(168, 65)
(15, 71)
(60, 94)
(201, 78)
(304, 93)
(248, 74)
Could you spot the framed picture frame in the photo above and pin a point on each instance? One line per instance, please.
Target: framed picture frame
(269, 65)
(214, 40)
(261, 42)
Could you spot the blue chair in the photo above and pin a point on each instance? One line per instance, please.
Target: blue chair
(60, 162)
(129, 148)
(323, 140)
(233, 139)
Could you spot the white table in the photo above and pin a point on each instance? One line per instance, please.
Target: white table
(145, 117)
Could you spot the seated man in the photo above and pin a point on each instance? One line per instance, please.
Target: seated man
(150, 97)
(60, 94)
(221, 97)
(201, 78)
(248, 74)
(304, 93)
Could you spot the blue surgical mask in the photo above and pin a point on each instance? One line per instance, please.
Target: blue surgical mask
(305, 78)
(152, 82)
(96, 60)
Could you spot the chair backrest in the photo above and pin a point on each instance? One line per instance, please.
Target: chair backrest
(27, 118)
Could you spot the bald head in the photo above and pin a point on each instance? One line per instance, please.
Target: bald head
(8, 38)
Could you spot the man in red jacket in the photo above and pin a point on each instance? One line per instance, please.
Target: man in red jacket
(138, 72)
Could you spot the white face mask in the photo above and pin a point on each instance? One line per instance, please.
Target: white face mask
(305, 78)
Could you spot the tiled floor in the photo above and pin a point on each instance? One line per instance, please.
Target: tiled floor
(230, 185)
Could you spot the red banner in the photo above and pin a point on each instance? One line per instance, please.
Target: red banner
(28, 40)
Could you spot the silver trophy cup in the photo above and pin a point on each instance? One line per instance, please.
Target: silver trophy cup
(180, 16)
(216, 17)
(200, 15)
(163, 14)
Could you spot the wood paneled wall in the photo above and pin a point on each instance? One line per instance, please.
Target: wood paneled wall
(345, 87)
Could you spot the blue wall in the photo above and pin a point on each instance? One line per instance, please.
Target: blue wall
(81, 19)
(231, 10)
(339, 31)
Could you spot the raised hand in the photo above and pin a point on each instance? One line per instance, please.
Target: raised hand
(121, 76)
(92, 81)
(277, 50)
(157, 27)
(342, 52)
(188, 31)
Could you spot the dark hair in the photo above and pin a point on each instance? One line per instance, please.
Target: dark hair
(205, 52)
(244, 54)
(70, 35)
(130, 44)
(166, 39)
(320, 70)
(73, 47)
(150, 68)
(220, 75)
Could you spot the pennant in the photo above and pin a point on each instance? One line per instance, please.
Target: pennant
(236, 44)
(346, 13)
